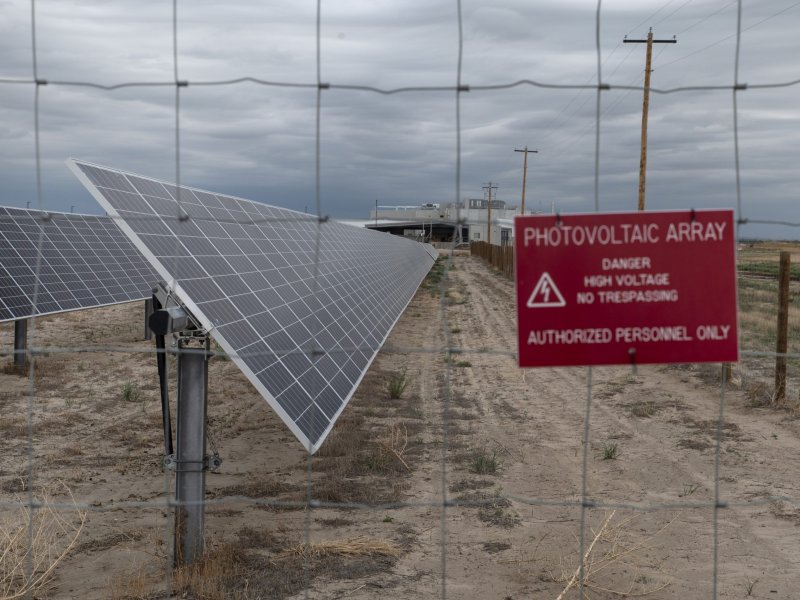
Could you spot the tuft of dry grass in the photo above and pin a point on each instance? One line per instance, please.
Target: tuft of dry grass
(213, 576)
(352, 547)
(613, 562)
(33, 543)
(216, 576)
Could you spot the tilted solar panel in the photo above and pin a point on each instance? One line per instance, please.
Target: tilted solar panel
(302, 308)
(86, 261)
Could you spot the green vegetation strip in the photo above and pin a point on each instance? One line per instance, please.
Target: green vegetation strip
(768, 269)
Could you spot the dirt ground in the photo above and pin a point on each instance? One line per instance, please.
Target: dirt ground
(502, 445)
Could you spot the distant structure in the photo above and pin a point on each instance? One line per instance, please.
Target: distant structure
(441, 223)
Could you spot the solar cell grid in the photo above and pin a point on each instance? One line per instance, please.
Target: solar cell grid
(301, 307)
(82, 261)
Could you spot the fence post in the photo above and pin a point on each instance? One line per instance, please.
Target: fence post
(782, 344)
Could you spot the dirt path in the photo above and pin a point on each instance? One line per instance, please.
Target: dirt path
(511, 468)
(662, 421)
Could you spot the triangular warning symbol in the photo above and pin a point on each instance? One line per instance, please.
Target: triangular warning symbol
(545, 294)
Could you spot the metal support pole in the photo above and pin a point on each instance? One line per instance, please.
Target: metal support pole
(20, 342)
(190, 476)
(148, 310)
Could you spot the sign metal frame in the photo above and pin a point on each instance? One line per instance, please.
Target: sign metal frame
(620, 288)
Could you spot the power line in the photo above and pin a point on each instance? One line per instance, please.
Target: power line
(616, 102)
(707, 17)
(582, 104)
(594, 76)
(645, 21)
(662, 19)
(733, 35)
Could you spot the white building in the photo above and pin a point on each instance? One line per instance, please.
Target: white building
(439, 222)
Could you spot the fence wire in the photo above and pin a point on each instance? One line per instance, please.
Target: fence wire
(583, 501)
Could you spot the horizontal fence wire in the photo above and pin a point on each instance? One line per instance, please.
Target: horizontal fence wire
(500, 257)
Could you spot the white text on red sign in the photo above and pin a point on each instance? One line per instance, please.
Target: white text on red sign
(622, 233)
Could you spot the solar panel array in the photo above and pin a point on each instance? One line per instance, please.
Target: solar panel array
(301, 307)
(85, 262)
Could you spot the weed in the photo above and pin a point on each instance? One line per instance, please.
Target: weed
(131, 392)
(397, 384)
(610, 451)
(455, 330)
(484, 463)
(749, 585)
(462, 364)
(435, 275)
(688, 489)
(759, 394)
(643, 409)
(493, 508)
(380, 462)
(494, 547)
(388, 519)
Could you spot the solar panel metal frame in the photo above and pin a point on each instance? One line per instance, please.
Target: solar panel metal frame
(424, 253)
(65, 267)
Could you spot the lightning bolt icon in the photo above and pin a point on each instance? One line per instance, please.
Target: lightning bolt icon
(545, 293)
(545, 290)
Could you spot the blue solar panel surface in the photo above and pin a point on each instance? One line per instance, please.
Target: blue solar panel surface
(86, 261)
(301, 307)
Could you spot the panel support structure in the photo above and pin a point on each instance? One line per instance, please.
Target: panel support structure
(190, 476)
(20, 342)
(148, 310)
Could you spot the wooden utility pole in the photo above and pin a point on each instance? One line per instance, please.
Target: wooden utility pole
(646, 105)
(524, 175)
(489, 187)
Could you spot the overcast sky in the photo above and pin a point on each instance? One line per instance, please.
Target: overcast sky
(258, 141)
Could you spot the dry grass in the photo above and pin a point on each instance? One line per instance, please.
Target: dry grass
(258, 565)
(393, 447)
(33, 543)
(352, 547)
(614, 561)
(218, 575)
(13, 427)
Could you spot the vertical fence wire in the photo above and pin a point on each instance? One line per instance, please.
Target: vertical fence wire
(32, 505)
(587, 415)
(585, 503)
(318, 238)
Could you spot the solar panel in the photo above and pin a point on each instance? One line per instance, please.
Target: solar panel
(302, 308)
(84, 261)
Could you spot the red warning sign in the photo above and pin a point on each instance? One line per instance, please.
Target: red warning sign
(622, 288)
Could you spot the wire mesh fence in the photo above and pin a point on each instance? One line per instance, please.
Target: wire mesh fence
(452, 473)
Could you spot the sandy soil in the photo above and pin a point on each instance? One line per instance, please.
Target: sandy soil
(510, 531)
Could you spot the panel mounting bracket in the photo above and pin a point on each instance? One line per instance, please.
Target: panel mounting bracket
(211, 462)
(173, 317)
